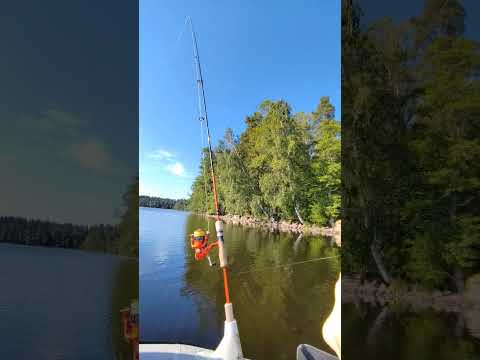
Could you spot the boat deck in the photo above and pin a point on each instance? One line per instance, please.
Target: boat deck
(173, 352)
(189, 352)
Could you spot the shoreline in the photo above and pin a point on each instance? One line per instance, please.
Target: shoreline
(413, 296)
(283, 226)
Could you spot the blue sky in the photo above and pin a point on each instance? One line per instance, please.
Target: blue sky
(250, 51)
(69, 125)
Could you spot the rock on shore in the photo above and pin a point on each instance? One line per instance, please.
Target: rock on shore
(399, 292)
(285, 226)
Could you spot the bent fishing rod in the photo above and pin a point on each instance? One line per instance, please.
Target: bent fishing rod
(203, 117)
(230, 347)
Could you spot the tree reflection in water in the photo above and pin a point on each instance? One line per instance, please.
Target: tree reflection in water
(276, 309)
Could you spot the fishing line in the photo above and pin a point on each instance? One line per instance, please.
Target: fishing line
(204, 174)
(174, 52)
(201, 118)
(286, 265)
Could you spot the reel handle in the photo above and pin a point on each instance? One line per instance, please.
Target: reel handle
(210, 263)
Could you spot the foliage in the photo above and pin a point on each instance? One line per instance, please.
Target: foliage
(283, 166)
(163, 203)
(410, 96)
(327, 169)
(121, 239)
(101, 238)
(128, 227)
(41, 233)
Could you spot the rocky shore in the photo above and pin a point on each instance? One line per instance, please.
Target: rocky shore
(412, 296)
(285, 226)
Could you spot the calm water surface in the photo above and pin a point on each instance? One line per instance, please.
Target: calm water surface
(397, 334)
(59, 303)
(181, 300)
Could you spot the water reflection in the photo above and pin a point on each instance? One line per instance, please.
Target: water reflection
(398, 334)
(276, 309)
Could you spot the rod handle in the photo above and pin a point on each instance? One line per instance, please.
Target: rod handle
(222, 253)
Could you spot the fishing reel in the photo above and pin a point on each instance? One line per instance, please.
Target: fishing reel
(201, 247)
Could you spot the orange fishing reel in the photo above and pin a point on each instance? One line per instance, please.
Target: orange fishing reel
(129, 316)
(200, 245)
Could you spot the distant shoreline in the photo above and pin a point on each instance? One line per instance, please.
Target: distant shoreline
(154, 207)
(162, 203)
(274, 226)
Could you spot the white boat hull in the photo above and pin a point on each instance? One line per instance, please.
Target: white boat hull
(228, 349)
(173, 352)
(309, 352)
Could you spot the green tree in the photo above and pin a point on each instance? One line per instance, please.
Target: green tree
(283, 166)
(128, 227)
(201, 198)
(326, 196)
(281, 159)
(447, 150)
(409, 176)
(235, 184)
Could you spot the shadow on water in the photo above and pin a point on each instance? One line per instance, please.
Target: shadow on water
(276, 309)
(398, 334)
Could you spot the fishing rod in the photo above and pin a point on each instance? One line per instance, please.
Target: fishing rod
(230, 347)
(202, 108)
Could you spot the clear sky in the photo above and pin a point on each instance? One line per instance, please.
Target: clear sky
(68, 110)
(250, 51)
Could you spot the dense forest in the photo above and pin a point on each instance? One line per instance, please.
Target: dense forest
(157, 202)
(23, 231)
(410, 147)
(121, 239)
(284, 165)
(43, 233)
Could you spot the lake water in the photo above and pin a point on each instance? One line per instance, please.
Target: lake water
(370, 332)
(58, 304)
(277, 308)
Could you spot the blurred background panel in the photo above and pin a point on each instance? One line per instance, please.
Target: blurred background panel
(69, 177)
(410, 178)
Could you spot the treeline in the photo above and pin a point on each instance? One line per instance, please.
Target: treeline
(284, 165)
(19, 230)
(120, 239)
(411, 147)
(157, 202)
(23, 231)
